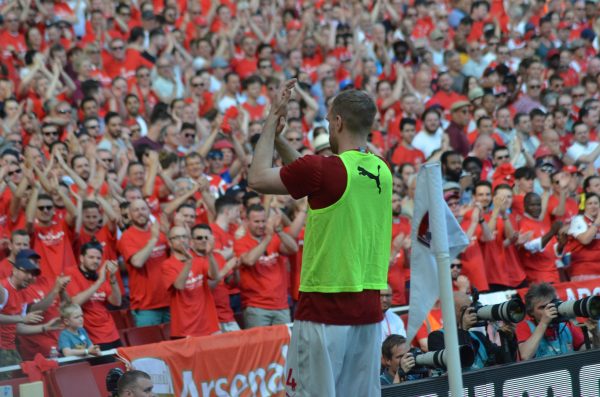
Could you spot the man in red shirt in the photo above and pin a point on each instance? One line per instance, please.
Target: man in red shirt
(537, 250)
(404, 151)
(51, 238)
(16, 316)
(229, 276)
(19, 240)
(92, 287)
(538, 336)
(186, 277)
(228, 214)
(43, 295)
(144, 249)
(263, 273)
(560, 206)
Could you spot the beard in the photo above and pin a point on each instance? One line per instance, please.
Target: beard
(453, 175)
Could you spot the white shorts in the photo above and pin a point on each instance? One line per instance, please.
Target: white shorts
(333, 360)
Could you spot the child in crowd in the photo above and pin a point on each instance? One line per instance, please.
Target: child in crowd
(74, 340)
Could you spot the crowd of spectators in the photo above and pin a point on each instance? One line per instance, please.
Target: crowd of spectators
(127, 128)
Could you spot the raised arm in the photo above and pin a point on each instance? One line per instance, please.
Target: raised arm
(262, 177)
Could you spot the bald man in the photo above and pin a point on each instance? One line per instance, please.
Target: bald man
(186, 278)
(144, 249)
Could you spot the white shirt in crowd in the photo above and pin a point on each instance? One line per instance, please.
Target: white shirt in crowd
(391, 324)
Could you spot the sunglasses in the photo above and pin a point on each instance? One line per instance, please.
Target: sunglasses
(196, 85)
(118, 48)
(189, 135)
(456, 265)
(64, 111)
(15, 172)
(50, 133)
(45, 208)
(200, 238)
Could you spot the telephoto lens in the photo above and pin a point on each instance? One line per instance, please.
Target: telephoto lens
(588, 307)
(512, 311)
(438, 359)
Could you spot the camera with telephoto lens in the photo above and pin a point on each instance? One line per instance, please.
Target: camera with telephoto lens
(511, 311)
(588, 307)
(438, 359)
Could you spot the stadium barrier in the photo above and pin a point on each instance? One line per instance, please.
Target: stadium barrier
(569, 375)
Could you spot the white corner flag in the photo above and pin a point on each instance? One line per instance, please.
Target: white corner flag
(435, 232)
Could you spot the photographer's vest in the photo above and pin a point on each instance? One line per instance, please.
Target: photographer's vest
(562, 344)
(347, 245)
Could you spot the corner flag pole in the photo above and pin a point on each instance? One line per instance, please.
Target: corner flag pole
(440, 247)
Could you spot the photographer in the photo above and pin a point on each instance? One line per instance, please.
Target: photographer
(540, 336)
(397, 361)
(486, 353)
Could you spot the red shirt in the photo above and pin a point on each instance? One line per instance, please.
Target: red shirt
(98, 322)
(193, 311)
(472, 258)
(398, 272)
(147, 290)
(221, 293)
(264, 284)
(323, 180)
(30, 345)
(53, 243)
(15, 305)
(244, 67)
(402, 154)
(539, 266)
(571, 208)
(6, 268)
(584, 258)
(499, 269)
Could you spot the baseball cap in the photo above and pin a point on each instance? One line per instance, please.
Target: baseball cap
(451, 186)
(27, 253)
(27, 266)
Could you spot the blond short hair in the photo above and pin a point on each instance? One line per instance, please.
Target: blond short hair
(67, 310)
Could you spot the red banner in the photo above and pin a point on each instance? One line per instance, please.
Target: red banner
(243, 363)
(573, 290)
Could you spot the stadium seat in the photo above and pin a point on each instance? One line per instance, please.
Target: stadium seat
(122, 318)
(13, 384)
(100, 371)
(143, 335)
(74, 380)
(166, 329)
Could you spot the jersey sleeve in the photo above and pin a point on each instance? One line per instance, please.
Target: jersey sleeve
(303, 176)
(170, 271)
